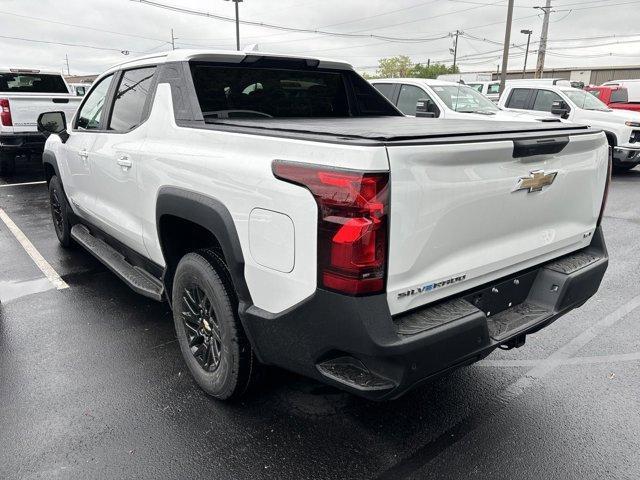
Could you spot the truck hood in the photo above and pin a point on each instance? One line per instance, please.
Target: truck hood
(505, 116)
(611, 116)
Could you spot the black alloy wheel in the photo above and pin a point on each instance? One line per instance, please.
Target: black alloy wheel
(201, 328)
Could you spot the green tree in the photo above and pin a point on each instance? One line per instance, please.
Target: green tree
(401, 66)
(394, 67)
(421, 70)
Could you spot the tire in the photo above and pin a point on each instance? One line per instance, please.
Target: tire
(60, 212)
(7, 163)
(623, 168)
(212, 340)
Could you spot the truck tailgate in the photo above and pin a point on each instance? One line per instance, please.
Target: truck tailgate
(458, 219)
(25, 108)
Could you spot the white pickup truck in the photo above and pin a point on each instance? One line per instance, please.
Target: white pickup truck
(291, 216)
(424, 97)
(622, 127)
(25, 94)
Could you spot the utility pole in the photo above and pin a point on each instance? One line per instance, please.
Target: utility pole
(542, 49)
(526, 55)
(66, 56)
(173, 41)
(455, 49)
(237, 23)
(507, 39)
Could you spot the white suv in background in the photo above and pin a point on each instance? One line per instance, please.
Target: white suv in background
(622, 127)
(440, 99)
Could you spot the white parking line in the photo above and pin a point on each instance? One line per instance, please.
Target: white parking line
(592, 360)
(543, 368)
(22, 184)
(38, 259)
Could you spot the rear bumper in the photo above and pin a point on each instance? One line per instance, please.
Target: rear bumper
(355, 343)
(25, 141)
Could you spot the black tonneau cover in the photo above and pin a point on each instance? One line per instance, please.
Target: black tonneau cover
(397, 129)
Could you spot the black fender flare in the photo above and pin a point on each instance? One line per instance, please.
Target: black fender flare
(212, 215)
(611, 135)
(49, 158)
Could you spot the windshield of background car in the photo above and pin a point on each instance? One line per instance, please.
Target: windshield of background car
(31, 83)
(226, 92)
(476, 86)
(585, 100)
(464, 99)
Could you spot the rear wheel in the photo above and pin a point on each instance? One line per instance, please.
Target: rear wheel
(7, 163)
(60, 212)
(212, 340)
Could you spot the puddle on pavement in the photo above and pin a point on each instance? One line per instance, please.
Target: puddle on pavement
(13, 290)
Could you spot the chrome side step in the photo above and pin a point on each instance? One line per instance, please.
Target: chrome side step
(138, 279)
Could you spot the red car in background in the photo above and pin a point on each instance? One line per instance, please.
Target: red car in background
(615, 97)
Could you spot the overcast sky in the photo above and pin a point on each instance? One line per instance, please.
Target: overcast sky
(113, 26)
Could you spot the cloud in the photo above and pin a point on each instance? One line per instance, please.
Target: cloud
(123, 25)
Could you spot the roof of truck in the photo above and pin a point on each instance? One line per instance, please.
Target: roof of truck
(230, 56)
(426, 81)
(28, 71)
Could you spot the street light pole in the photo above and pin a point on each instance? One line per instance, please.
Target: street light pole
(526, 55)
(507, 39)
(237, 23)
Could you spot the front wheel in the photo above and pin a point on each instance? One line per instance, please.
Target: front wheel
(212, 340)
(60, 212)
(623, 168)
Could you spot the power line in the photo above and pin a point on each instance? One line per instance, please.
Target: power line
(93, 29)
(68, 44)
(295, 29)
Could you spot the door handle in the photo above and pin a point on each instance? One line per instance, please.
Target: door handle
(125, 162)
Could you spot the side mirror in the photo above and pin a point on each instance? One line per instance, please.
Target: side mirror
(53, 123)
(424, 109)
(560, 108)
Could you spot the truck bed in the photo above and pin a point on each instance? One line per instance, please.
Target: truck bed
(385, 130)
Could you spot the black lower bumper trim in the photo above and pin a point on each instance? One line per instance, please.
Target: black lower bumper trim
(355, 343)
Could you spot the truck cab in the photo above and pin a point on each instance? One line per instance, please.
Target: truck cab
(614, 96)
(622, 127)
(442, 99)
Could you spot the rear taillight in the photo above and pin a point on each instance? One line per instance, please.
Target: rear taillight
(353, 209)
(5, 113)
(606, 187)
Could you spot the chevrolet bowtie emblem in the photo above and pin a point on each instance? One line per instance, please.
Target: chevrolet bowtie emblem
(536, 181)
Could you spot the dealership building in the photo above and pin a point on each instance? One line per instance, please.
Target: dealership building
(588, 75)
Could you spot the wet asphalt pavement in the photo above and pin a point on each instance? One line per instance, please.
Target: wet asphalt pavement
(92, 385)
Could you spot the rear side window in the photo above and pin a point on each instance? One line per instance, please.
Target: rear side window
(620, 95)
(31, 83)
(385, 89)
(519, 98)
(544, 100)
(252, 92)
(91, 110)
(130, 99)
(409, 96)
(493, 88)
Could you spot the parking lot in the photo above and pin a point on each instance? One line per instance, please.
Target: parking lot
(92, 384)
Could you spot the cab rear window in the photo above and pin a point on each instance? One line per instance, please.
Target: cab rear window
(31, 83)
(226, 92)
